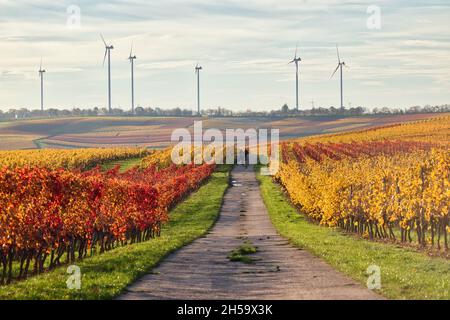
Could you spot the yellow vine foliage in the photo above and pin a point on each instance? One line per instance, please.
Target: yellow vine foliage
(403, 193)
(68, 159)
(163, 158)
(380, 189)
(434, 130)
(158, 158)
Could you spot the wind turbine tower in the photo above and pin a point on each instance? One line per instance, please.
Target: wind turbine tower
(41, 75)
(339, 67)
(108, 49)
(197, 71)
(132, 58)
(296, 60)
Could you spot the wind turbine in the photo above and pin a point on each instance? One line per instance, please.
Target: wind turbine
(132, 58)
(41, 75)
(197, 71)
(339, 66)
(296, 60)
(108, 49)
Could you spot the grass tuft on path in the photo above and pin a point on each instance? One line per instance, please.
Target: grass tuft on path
(242, 253)
(405, 273)
(105, 276)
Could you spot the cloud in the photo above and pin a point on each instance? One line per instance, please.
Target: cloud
(244, 46)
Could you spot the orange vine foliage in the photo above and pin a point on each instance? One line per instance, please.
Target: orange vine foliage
(46, 214)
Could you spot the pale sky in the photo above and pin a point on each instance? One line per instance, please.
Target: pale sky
(243, 46)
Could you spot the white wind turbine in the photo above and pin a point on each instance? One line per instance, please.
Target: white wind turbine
(197, 71)
(108, 49)
(41, 75)
(296, 60)
(339, 66)
(132, 58)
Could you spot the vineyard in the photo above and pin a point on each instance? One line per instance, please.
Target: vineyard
(68, 159)
(159, 159)
(396, 190)
(48, 214)
(434, 130)
(163, 158)
(57, 207)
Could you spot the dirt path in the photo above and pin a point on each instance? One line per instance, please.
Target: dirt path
(202, 270)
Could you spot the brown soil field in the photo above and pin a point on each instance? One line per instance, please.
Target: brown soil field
(156, 132)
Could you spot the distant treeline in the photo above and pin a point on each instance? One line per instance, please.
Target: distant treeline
(284, 111)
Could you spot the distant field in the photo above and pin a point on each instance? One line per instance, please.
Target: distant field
(71, 133)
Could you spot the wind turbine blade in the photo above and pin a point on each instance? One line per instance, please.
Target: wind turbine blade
(131, 51)
(40, 66)
(296, 50)
(103, 39)
(339, 57)
(104, 58)
(337, 68)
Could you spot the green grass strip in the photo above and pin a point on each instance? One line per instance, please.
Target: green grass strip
(105, 276)
(125, 164)
(405, 273)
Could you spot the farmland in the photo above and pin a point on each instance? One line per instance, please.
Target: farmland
(109, 132)
(353, 191)
(90, 132)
